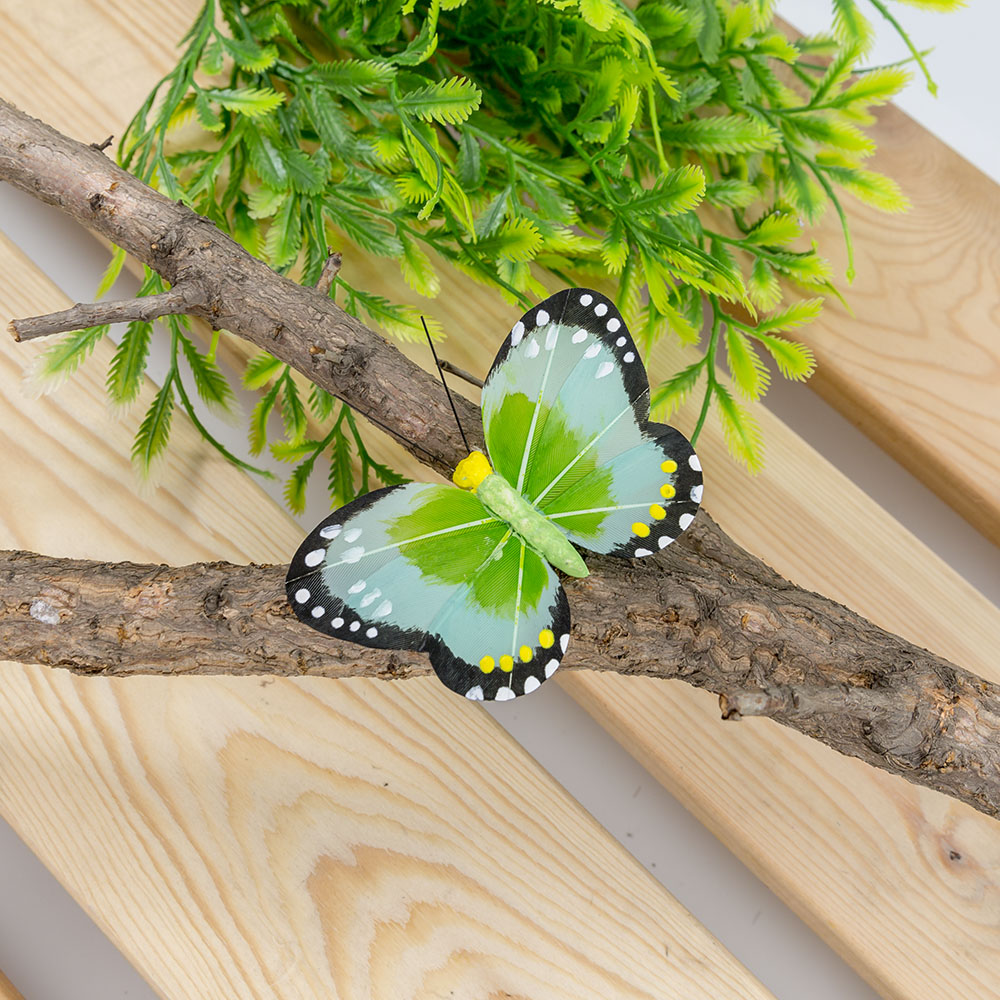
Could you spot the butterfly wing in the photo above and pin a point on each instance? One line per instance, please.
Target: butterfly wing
(566, 417)
(427, 567)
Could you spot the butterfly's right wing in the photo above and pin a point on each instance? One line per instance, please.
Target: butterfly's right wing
(566, 418)
(427, 567)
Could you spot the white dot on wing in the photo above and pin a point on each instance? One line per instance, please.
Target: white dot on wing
(639, 553)
(505, 694)
(696, 493)
(613, 324)
(551, 337)
(550, 668)
(585, 300)
(516, 334)
(628, 356)
(356, 588)
(564, 642)
(532, 684)
(684, 520)
(579, 337)
(601, 308)
(592, 351)
(541, 317)
(620, 342)
(315, 557)
(302, 595)
(372, 632)
(604, 368)
(695, 462)
(531, 350)
(663, 541)
(337, 622)
(330, 531)
(474, 693)
(353, 555)
(318, 612)
(355, 626)
(352, 535)
(383, 609)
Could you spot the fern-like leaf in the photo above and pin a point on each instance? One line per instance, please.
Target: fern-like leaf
(154, 431)
(749, 372)
(721, 134)
(124, 381)
(679, 190)
(794, 360)
(449, 101)
(741, 430)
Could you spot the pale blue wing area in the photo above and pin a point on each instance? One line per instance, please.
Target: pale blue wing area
(511, 638)
(566, 414)
(566, 393)
(427, 567)
(637, 503)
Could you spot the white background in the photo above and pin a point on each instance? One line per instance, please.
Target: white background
(50, 948)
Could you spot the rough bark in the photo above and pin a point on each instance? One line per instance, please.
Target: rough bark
(704, 610)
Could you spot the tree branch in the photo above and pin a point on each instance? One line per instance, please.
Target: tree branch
(181, 299)
(704, 610)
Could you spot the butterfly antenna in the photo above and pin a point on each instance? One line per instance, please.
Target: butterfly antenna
(445, 384)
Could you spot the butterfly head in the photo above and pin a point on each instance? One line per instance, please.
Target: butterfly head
(471, 471)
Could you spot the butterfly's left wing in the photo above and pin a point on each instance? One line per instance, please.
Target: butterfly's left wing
(427, 567)
(566, 417)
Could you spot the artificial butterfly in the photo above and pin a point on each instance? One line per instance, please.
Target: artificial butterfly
(464, 574)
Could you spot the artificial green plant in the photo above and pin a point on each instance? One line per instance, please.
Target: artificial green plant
(682, 149)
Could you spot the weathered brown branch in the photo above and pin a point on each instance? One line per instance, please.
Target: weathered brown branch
(181, 299)
(704, 610)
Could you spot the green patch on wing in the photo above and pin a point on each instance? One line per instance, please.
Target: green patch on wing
(495, 586)
(591, 495)
(560, 458)
(449, 557)
(468, 556)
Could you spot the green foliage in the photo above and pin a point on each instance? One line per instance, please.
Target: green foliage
(681, 147)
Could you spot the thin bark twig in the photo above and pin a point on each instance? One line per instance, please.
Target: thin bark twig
(461, 373)
(180, 299)
(331, 268)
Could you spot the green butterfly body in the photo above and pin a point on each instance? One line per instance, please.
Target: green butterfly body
(534, 529)
(467, 574)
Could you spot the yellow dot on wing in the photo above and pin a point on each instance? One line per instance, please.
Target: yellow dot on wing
(667, 491)
(525, 653)
(506, 663)
(486, 664)
(546, 639)
(669, 465)
(657, 512)
(640, 529)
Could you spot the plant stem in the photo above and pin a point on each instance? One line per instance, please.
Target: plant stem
(713, 341)
(914, 52)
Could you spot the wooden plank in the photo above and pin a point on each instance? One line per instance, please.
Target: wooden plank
(7, 990)
(903, 883)
(858, 888)
(915, 360)
(239, 836)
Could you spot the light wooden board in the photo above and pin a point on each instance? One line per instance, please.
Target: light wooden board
(797, 825)
(915, 362)
(7, 991)
(251, 837)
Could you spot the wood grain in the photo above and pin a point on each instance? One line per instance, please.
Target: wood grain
(290, 839)
(867, 861)
(914, 357)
